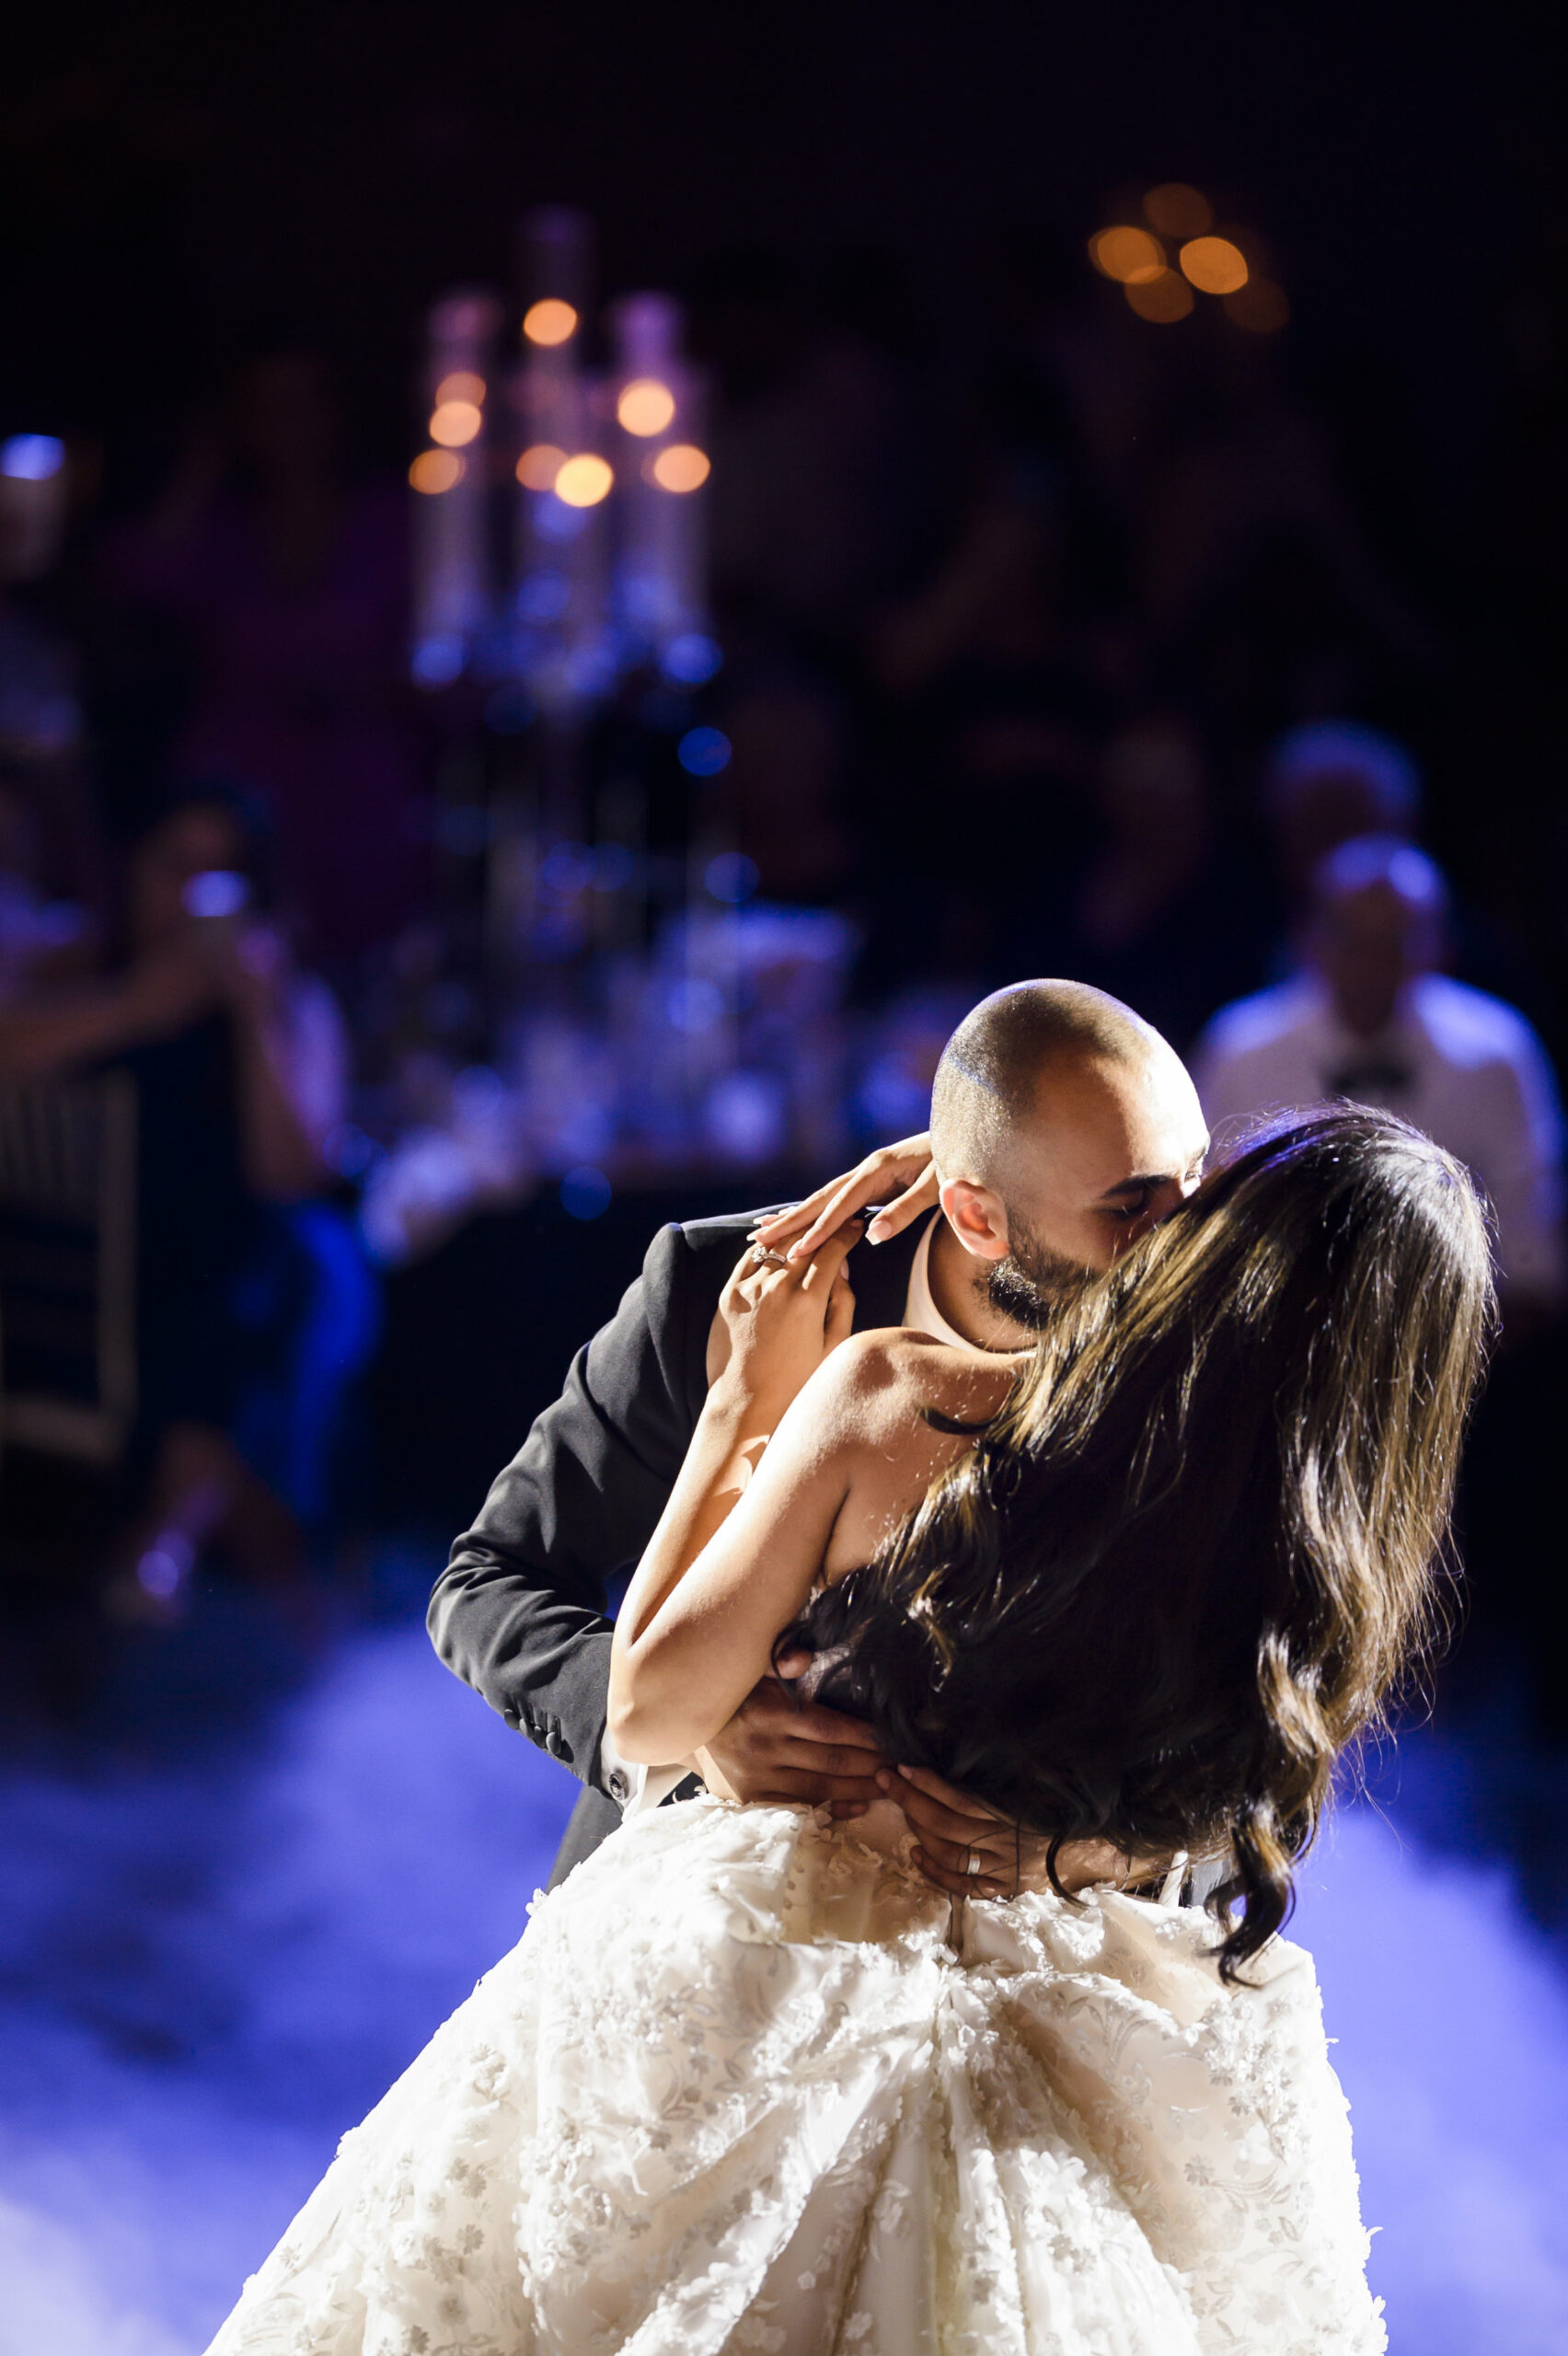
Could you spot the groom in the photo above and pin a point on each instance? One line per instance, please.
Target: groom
(1062, 1126)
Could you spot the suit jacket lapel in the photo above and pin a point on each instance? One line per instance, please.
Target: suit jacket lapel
(880, 1273)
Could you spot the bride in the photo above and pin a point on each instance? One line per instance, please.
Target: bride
(749, 2083)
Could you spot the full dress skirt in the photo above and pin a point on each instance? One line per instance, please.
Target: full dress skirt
(745, 2085)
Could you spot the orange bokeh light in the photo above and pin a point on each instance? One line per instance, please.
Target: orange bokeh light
(1214, 265)
(582, 481)
(1260, 306)
(683, 467)
(549, 322)
(435, 470)
(646, 406)
(1162, 299)
(463, 387)
(1178, 211)
(1129, 255)
(456, 423)
(538, 466)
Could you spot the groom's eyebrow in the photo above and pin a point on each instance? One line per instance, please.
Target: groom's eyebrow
(1146, 1179)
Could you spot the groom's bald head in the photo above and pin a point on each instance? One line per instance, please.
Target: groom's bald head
(1005, 1056)
(1072, 1112)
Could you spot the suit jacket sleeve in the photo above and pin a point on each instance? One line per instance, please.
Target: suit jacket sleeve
(519, 1612)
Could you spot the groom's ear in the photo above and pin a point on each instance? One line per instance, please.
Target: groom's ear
(976, 1217)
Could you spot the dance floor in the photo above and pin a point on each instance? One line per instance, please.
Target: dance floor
(213, 1957)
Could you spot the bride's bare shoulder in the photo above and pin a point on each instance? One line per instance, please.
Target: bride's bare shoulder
(889, 1377)
(893, 1392)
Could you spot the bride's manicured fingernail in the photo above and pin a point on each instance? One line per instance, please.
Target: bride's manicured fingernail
(876, 1232)
(908, 1772)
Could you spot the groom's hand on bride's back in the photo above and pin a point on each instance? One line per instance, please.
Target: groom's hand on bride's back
(973, 1850)
(777, 1748)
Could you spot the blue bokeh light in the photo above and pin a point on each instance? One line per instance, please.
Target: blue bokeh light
(544, 595)
(692, 658)
(556, 522)
(585, 1192)
(695, 1006)
(31, 458)
(567, 868)
(731, 877)
(218, 892)
(438, 661)
(703, 752)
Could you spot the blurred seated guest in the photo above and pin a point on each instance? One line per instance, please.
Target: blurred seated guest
(1371, 1019)
(47, 920)
(289, 577)
(1165, 917)
(1329, 781)
(255, 1307)
(51, 867)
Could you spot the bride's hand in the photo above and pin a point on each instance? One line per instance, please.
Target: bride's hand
(956, 1829)
(777, 1321)
(902, 1177)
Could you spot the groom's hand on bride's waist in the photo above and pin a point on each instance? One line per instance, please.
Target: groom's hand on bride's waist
(973, 1850)
(777, 1748)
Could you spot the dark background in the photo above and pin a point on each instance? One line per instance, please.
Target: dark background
(180, 186)
(187, 176)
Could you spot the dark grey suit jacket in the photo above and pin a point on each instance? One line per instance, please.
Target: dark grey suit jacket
(520, 1610)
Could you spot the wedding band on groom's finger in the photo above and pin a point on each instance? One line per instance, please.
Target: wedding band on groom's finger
(973, 1867)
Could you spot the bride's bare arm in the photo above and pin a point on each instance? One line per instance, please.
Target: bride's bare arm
(748, 1522)
(691, 1647)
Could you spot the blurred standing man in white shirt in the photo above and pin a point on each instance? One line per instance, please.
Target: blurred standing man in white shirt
(1371, 1019)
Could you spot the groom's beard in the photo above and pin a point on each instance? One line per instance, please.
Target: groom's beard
(1030, 1285)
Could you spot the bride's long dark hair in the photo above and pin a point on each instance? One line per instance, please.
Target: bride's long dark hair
(1188, 1560)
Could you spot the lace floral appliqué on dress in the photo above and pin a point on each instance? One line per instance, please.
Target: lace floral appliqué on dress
(734, 2092)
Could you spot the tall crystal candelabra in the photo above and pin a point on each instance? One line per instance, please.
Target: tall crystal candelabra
(451, 479)
(604, 569)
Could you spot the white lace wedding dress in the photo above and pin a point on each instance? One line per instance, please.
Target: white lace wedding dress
(735, 2091)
